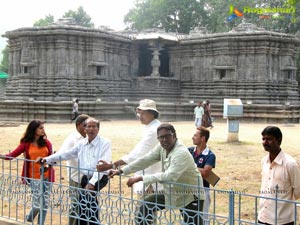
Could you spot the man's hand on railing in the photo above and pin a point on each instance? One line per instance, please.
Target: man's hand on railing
(133, 180)
(40, 160)
(103, 166)
(112, 173)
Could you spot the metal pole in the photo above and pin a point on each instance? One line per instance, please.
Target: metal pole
(231, 208)
(41, 194)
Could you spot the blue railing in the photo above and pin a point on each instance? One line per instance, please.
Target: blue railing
(117, 202)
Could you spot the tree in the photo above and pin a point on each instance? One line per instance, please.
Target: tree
(172, 15)
(44, 22)
(184, 15)
(80, 16)
(4, 63)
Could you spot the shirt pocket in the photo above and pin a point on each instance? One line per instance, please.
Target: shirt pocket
(280, 180)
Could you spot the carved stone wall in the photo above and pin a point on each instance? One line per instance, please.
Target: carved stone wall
(60, 62)
(257, 66)
(63, 61)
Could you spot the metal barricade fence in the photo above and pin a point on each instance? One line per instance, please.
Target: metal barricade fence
(117, 202)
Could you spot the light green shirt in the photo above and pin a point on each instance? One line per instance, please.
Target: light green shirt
(198, 111)
(178, 167)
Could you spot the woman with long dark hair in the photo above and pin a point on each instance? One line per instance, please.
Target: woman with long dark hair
(34, 144)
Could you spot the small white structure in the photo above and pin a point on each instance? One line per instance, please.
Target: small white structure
(232, 111)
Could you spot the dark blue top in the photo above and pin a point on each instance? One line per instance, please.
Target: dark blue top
(207, 157)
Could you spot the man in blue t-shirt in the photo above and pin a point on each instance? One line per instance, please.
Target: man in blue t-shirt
(205, 160)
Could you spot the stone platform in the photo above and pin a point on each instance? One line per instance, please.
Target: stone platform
(25, 111)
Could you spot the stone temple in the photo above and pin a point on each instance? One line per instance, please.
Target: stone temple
(109, 72)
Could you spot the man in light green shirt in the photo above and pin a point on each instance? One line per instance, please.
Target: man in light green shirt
(183, 185)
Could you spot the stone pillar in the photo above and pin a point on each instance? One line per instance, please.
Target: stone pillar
(155, 62)
(233, 109)
(233, 129)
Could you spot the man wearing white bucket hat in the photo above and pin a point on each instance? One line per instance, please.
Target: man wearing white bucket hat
(148, 116)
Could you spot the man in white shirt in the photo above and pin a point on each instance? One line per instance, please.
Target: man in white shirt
(89, 151)
(147, 114)
(198, 113)
(73, 173)
(280, 181)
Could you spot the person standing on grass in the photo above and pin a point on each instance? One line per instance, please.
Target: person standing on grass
(206, 118)
(182, 183)
(34, 144)
(148, 116)
(198, 113)
(73, 173)
(205, 160)
(280, 180)
(89, 151)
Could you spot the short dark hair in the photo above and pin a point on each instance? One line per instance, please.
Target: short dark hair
(80, 119)
(274, 131)
(167, 126)
(204, 132)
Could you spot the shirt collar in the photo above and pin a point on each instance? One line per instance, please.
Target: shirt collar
(78, 135)
(93, 142)
(204, 152)
(279, 158)
(151, 123)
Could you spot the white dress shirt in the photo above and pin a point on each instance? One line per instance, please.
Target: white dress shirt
(88, 155)
(283, 172)
(147, 143)
(74, 138)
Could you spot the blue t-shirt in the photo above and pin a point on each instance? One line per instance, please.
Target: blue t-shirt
(207, 157)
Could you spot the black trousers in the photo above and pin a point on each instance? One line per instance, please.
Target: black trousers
(153, 203)
(75, 115)
(88, 203)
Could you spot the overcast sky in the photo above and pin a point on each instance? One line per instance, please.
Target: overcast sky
(23, 13)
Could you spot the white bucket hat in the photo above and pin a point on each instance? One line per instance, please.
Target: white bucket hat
(147, 104)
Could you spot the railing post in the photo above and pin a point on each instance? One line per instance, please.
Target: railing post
(41, 194)
(276, 203)
(231, 208)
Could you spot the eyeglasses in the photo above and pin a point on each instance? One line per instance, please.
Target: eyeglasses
(166, 137)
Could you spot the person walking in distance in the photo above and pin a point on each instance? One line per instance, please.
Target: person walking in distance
(75, 109)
